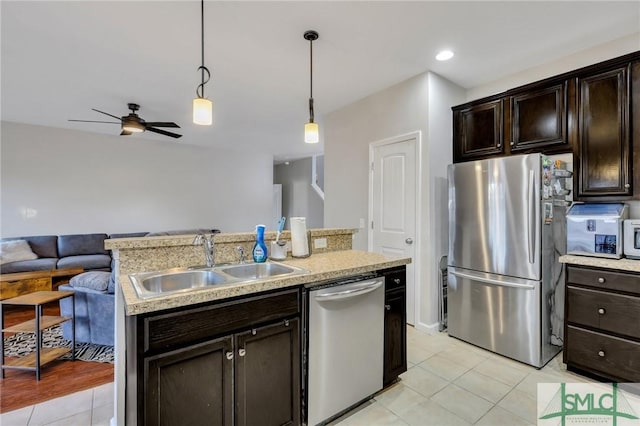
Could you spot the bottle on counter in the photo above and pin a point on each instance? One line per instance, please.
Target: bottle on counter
(259, 248)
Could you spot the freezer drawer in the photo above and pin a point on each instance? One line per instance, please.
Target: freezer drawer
(498, 313)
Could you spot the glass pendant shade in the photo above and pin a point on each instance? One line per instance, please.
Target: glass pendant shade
(202, 111)
(311, 133)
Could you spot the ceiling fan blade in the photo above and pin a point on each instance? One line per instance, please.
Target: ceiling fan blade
(92, 121)
(163, 132)
(161, 124)
(125, 133)
(106, 113)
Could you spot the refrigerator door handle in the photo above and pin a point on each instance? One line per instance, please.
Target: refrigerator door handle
(492, 281)
(531, 215)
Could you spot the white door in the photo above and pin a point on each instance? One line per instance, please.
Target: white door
(393, 183)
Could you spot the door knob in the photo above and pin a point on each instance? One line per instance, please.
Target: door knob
(409, 241)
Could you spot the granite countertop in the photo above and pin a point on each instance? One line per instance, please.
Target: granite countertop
(320, 267)
(601, 262)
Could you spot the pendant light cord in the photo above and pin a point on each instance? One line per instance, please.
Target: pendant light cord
(200, 89)
(311, 80)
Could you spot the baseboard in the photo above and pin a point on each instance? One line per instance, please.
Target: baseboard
(427, 328)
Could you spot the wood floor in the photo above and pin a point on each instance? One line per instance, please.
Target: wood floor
(20, 388)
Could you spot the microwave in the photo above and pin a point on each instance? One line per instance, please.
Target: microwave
(632, 238)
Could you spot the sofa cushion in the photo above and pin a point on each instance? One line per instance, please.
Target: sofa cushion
(41, 264)
(94, 280)
(15, 251)
(79, 244)
(86, 262)
(42, 245)
(129, 235)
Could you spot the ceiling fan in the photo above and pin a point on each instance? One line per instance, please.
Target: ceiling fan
(132, 123)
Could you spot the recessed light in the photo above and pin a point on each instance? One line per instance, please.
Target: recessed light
(444, 55)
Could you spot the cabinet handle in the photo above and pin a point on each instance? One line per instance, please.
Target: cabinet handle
(499, 145)
(396, 280)
(254, 331)
(626, 185)
(601, 311)
(387, 307)
(601, 353)
(242, 352)
(512, 143)
(601, 280)
(286, 323)
(229, 355)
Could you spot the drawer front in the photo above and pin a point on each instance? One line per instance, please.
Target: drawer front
(604, 279)
(615, 357)
(395, 279)
(612, 312)
(10, 289)
(189, 326)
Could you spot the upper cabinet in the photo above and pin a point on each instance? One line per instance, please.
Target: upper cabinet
(593, 112)
(538, 119)
(477, 130)
(604, 161)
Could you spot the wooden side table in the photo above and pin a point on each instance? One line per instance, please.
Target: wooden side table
(35, 360)
(19, 283)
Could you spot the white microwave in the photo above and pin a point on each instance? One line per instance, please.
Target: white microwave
(631, 243)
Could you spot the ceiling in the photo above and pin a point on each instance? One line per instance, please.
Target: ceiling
(60, 59)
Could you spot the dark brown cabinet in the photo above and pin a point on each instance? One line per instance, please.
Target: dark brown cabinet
(602, 323)
(478, 130)
(538, 119)
(233, 363)
(604, 154)
(395, 324)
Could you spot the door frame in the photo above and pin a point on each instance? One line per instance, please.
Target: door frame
(417, 240)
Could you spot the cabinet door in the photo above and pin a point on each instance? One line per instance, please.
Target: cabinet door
(267, 377)
(190, 386)
(539, 119)
(395, 335)
(603, 135)
(477, 131)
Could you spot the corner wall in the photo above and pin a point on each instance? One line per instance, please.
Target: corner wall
(57, 181)
(298, 196)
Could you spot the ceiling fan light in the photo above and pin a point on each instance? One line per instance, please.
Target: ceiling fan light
(202, 111)
(132, 126)
(311, 133)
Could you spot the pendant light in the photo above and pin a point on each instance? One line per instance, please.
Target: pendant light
(202, 107)
(311, 134)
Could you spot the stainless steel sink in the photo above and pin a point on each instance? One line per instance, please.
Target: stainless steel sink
(153, 284)
(177, 280)
(256, 271)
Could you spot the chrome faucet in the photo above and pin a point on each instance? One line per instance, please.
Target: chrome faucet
(208, 246)
(241, 253)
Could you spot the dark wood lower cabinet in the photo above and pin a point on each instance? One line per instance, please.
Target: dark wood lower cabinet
(395, 325)
(267, 373)
(203, 373)
(190, 386)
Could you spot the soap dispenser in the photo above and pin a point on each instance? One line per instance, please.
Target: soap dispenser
(259, 248)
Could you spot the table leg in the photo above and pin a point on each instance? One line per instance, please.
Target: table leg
(38, 341)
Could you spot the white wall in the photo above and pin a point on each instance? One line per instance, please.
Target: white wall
(56, 181)
(298, 196)
(422, 103)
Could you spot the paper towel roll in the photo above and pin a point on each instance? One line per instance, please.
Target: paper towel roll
(299, 242)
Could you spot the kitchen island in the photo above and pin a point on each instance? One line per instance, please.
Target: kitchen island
(216, 325)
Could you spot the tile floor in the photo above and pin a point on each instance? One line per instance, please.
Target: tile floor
(448, 383)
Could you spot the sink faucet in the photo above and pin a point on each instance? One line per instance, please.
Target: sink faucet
(241, 253)
(208, 246)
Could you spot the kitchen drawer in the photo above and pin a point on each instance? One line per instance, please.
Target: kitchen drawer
(613, 356)
(617, 313)
(604, 279)
(189, 326)
(395, 279)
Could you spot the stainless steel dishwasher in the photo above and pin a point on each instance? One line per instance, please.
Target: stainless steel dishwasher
(346, 343)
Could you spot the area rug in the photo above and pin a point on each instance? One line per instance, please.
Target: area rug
(22, 344)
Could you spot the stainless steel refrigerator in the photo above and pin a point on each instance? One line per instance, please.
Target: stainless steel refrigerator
(505, 285)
